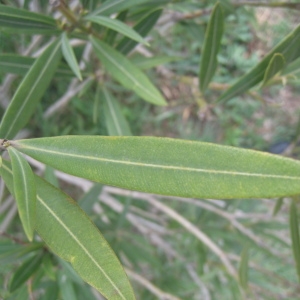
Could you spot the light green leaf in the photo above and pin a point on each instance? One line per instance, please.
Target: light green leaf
(289, 48)
(115, 122)
(276, 64)
(25, 191)
(25, 271)
(70, 234)
(143, 28)
(127, 73)
(30, 91)
(18, 64)
(69, 55)
(169, 166)
(243, 268)
(24, 21)
(294, 228)
(212, 42)
(117, 26)
(114, 6)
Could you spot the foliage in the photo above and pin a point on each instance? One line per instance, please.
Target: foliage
(95, 54)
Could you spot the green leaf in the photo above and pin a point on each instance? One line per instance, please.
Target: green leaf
(115, 122)
(212, 42)
(25, 191)
(289, 48)
(23, 21)
(115, 6)
(17, 64)
(66, 287)
(294, 228)
(127, 73)
(118, 26)
(277, 206)
(276, 64)
(143, 28)
(30, 91)
(25, 271)
(90, 198)
(292, 68)
(145, 63)
(69, 55)
(243, 268)
(70, 234)
(169, 166)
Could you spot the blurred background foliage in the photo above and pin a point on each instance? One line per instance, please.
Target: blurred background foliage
(171, 262)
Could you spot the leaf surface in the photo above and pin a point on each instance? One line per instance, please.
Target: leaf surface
(294, 229)
(127, 73)
(25, 191)
(69, 55)
(276, 64)
(30, 91)
(116, 123)
(24, 21)
(118, 26)
(169, 166)
(70, 234)
(243, 268)
(289, 48)
(211, 46)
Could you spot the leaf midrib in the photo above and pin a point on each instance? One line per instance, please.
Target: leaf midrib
(148, 165)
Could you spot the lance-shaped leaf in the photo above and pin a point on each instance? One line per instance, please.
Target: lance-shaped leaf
(116, 123)
(20, 65)
(30, 91)
(69, 55)
(168, 166)
(115, 6)
(212, 42)
(25, 191)
(243, 268)
(25, 271)
(118, 26)
(143, 28)
(294, 228)
(24, 21)
(70, 234)
(127, 73)
(289, 48)
(276, 64)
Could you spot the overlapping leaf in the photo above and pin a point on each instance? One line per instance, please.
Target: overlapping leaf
(30, 91)
(169, 166)
(24, 21)
(276, 64)
(289, 48)
(211, 47)
(69, 233)
(127, 73)
(294, 228)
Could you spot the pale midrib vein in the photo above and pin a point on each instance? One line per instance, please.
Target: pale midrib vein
(29, 25)
(136, 83)
(80, 244)
(16, 117)
(111, 109)
(9, 64)
(232, 173)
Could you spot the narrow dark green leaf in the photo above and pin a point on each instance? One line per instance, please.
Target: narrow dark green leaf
(90, 198)
(114, 6)
(277, 206)
(169, 166)
(289, 48)
(294, 228)
(25, 191)
(50, 176)
(212, 42)
(17, 64)
(30, 91)
(118, 26)
(243, 268)
(24, 21)
(292, 68)
(51, 292)
(116, 123)
(276, 64)
(127, 73)
(69, 55)
(70, 234)
(25, 271)
(143, 28)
